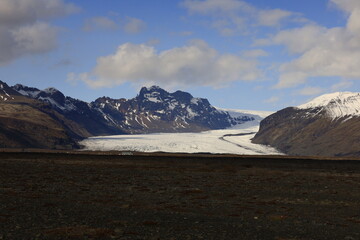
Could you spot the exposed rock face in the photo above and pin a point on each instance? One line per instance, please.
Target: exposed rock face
(327, 126)
(28, 123)
(156, 110)
(89, 121)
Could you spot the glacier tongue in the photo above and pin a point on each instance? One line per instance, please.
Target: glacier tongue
(336, 105)
(236, 140)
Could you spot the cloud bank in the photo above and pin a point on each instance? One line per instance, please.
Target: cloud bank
(99, 23)
(24, 30)
(133, 25)
(316, 51)
(234, 16)
(195, 64)
(321, 51)
(128, 24)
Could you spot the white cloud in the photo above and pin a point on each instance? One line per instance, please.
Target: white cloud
(346, 5)
(341, 85)
(99, 23)
(291, 79)
(128, 24)
(18, 12)
(297, 40)
(310, 91)
(195, 64)
(37, 38)
(215, 6)
(134, 25)
(322, 52)
(232, 16)
(23, 29)
(272, 17)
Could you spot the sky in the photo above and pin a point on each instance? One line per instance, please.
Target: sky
(240, 54)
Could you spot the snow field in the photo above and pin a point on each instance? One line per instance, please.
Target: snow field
(208, 141)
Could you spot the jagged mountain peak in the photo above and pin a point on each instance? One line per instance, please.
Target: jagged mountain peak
(53, 96)
(3, 84)
(152, 89)
(152, 94)
(6, 92)
(51, 90)
(336, 105)
(33, 92)
(157, 94)
(26, 91)
(155, 109)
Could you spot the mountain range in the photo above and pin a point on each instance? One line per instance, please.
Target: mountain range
(46, 118)
(329, 125)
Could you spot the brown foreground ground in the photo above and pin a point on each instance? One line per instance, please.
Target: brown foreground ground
(160, 196)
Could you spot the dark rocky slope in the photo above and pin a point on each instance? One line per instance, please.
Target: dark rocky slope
(327, 126)
(27, 123)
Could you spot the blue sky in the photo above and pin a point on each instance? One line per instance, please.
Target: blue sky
(244, 54)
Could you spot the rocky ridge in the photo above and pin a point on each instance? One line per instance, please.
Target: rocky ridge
(156, 110)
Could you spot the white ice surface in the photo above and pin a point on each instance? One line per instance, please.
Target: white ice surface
(208, 141)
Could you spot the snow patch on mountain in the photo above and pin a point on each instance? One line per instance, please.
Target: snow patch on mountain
(51, 102)
(336, 105)
(4, 95)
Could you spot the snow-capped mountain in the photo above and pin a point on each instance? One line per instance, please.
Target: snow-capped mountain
(336, 105)
(152, 110)
(156, 110)
(51, 96)
(90, 119)
(328, 125)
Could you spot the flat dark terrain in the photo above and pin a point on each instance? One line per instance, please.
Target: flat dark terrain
(48, 195)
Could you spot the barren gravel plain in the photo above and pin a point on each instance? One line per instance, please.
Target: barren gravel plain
(108, 195)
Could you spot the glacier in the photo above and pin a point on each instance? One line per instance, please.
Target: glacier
(234, 140)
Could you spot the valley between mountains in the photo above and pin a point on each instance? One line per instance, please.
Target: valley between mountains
(157, 120)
